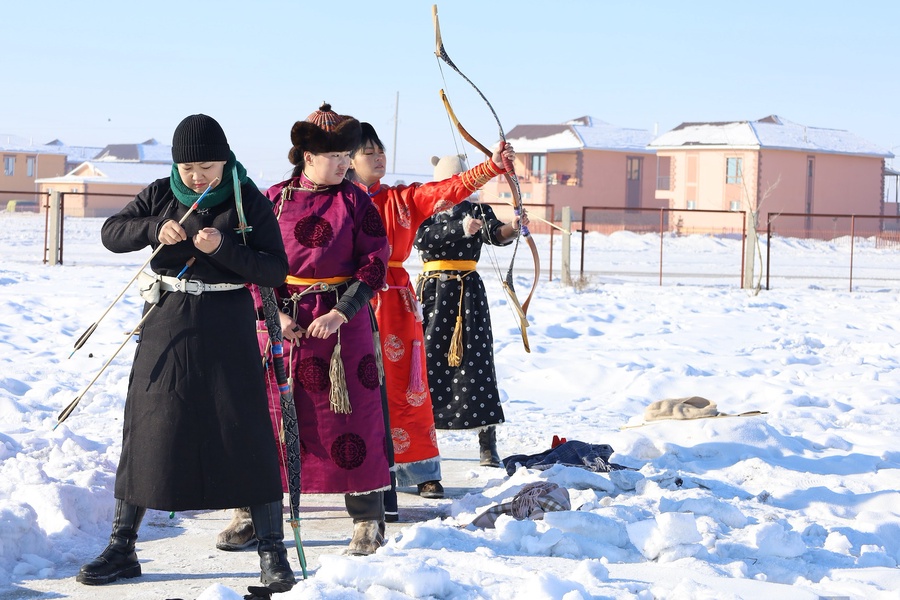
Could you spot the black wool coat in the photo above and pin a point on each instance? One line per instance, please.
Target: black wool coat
(467, 396)
(197, 433)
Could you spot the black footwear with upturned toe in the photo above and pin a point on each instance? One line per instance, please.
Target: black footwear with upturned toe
(431, 489)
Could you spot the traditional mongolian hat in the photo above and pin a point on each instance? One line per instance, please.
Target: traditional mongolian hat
(323, 131)
(326, 118)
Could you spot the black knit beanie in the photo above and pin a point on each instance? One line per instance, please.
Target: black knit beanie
(199, 138)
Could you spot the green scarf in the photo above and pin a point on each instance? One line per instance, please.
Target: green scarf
(219, 194)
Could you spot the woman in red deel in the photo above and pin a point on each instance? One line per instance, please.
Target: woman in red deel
(403, 208)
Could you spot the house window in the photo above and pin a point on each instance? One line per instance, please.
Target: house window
(9, 165)
(734, 170)
(633, 166)
(691, 204)
(538, 164)
(29, 166)
(663, 173)
(735, 205)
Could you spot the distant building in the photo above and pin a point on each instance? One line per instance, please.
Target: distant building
(101, 189)
(24, 162)
(583, 162)
(110, 179)
(772, 165)
(75, 155)
(150, 151)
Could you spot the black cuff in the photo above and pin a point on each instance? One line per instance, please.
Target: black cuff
(354, 298)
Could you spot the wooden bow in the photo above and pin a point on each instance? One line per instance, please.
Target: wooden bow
(510, 175)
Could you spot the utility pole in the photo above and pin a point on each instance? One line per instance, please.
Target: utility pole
(396, 111)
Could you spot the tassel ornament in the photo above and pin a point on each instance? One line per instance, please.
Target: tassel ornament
(416, 385)
(379, 357)
(339, 397)
(455, 352)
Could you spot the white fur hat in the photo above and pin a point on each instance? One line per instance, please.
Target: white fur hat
(447, 166)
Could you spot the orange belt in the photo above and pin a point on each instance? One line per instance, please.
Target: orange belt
(397, 264)
(449, 265)
(291, 280)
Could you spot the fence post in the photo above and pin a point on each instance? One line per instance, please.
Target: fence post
(53, 251)
(566, 260)
(750, 242)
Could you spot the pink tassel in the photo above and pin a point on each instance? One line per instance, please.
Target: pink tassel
(416, 385)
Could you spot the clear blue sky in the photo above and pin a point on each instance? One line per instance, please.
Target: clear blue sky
(111, 71)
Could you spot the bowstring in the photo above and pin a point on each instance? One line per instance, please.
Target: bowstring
(513, 178)
(458, 144)
(507, 282)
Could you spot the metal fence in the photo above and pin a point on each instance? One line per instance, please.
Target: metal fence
(855, 252)
(827, 251)
(666, 246)
(666, 224)
(53, 206)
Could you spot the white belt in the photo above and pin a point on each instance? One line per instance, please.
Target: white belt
(192, 286)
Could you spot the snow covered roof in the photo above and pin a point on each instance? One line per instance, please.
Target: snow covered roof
(128, 173)
(583, 133)
(16, 143)
(11, 142)
(771, 132)
(150, 151)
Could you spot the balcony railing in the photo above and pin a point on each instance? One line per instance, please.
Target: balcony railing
(562, 179)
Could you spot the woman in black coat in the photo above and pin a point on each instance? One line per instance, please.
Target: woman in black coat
(197, 433)
(461, 376)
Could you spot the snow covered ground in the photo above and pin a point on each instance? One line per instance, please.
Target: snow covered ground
(800, 502)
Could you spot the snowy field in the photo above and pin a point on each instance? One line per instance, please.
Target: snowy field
(801, 502)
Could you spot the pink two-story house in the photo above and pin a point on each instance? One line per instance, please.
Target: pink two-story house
(772, 165)
(583, 162)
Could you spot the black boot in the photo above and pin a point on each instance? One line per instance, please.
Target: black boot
(119, 558)
(275, 571)
(487, 443)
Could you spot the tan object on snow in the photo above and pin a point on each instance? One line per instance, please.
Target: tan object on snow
(694, 407)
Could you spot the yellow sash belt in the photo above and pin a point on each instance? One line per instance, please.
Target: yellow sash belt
(291, 280)
(449, 265)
